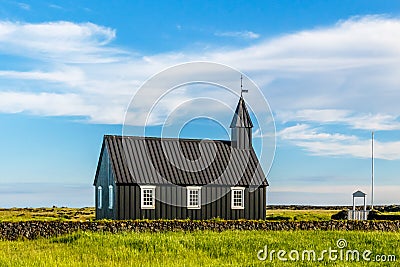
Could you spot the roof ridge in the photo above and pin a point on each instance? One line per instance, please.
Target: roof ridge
(165, 138)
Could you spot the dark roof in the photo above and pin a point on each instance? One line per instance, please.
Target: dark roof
(359, 194)
(151, 160)
(241, 119)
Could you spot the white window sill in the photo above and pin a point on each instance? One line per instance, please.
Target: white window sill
(194, 208)
(148, 207)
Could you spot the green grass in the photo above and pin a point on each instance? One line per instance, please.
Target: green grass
(201, 248)
(391, 213)
(301, 215)
(87, 214)
(46, 214)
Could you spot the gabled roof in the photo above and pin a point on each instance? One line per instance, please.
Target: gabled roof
(150, 160)
(241, 119)
(359, 194)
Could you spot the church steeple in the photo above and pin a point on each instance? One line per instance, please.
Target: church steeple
(241, 126)
(241, 118)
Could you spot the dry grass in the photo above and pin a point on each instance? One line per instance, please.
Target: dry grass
(301, 215)
(47, 214)
(88, 214)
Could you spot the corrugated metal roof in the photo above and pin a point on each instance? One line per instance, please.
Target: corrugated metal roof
(151, 160)
(241, 119)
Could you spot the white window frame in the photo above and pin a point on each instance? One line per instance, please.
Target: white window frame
(99, 197)
(233, 190)
(190, 189)
(110, 197)
(142, 201)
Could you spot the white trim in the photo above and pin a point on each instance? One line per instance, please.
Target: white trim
(233, 189)
(99, 197)
(153, 195)
(110, 197)
(147, 186)
(189, 189)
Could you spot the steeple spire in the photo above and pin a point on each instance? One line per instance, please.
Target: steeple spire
(241, 124)
(241, 118)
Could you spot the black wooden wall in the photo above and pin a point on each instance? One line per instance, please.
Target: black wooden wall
(104, 179)
(128, 204)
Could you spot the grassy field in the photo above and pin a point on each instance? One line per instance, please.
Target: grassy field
(301, 215)
(202, 248)
(46, 214)
(87, 214)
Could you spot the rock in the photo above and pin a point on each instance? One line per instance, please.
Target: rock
(341, 215)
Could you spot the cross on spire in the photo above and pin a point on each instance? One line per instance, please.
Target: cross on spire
(241, 87)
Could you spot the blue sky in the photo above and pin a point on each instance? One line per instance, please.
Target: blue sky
(329, 69)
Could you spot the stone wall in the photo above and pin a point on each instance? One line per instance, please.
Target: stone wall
(387, 208)
(35, 229)
(376, 215)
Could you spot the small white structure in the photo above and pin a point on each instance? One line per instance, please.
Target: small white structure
(358, 214)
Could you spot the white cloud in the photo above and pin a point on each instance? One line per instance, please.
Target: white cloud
(381, 122)
(63, 41)
(345, 74)
(57, 104)
(305, 132)
(353, 43)
(239, 34)
(353, 65)
(24, 6)
(69, 76)
(320, 143)
(315, 115)
(44, 104)
(55, 6)
(375, 122)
